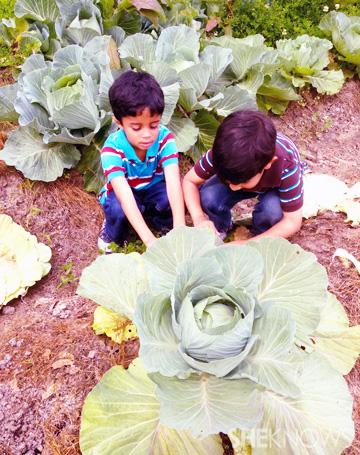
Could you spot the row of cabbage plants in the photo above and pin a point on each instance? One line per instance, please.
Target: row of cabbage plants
(60, 98)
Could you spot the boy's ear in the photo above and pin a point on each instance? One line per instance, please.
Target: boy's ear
(271, 162)
(118, 122)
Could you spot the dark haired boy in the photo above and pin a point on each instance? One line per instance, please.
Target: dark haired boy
(140, 163)
(248, 159)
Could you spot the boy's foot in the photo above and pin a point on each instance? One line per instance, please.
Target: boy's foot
(104, 241)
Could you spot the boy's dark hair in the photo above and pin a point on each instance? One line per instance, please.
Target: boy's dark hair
(132, 92)
(243, 146)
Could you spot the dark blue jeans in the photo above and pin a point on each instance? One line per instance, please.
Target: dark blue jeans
(217, 200)
(154, 205)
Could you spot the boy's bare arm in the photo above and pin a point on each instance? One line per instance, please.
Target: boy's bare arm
(286, 227)
(127, 200)
(191, 185)
(175, 194)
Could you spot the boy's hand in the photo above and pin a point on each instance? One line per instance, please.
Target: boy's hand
(149, 241)
(204, 221)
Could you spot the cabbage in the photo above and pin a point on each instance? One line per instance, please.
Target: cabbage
(234, 339)
(23, 260)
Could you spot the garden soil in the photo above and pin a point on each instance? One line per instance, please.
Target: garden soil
(49, 356)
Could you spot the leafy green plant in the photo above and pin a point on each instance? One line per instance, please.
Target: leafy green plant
(345, 34)
(60, 104)
(277, 19)
(236, 339)
(23, 260)
(67, 276)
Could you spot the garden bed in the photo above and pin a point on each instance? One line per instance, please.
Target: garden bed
(49, 356)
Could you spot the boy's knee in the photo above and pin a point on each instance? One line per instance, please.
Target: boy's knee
(209, 199)
(162, 204)
(267, 212)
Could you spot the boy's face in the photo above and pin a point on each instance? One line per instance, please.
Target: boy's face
(141, 130)
(251, 183)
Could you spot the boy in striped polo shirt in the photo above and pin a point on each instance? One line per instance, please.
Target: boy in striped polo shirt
(248, 159)
(140, 164)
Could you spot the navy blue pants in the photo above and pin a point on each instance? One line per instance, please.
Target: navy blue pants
(217, 200)
(154, 205)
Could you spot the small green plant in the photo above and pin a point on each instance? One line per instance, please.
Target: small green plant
(68, 276)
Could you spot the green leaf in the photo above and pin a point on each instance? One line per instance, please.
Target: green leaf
(242, 266)
(246, 52)
(273, 362)
(115, 281)
(208, 125)
(121, 417)
(138, 50)
(185, 131)
(293, 280)
(207, 404)
(196, 77)
(38, 10)
(217, 58)
(345, 34)
(317, 422)
(168, 80)
(334, 339)
(178, 43)
(159, 345)
(166, 253)
(234, 99)
(327, 82)
(90, 167)
(25, 150)
(7, 97)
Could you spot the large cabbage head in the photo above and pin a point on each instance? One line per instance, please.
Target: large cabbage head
(231, 337)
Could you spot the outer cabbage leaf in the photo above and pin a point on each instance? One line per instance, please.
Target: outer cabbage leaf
(196, 77)
(334, 339)
(138, 49)
(7, 98)
(185, 131)
(114, 282)
(177, 44)
(79, 23)
(217, 58)
(159, 344)
(327, 82)
(121, 417)
(345, 34)
(168, 80)
(25, 150)
(318, 422)
(23, 260)
(231, 99)
(38, 10)
(164, 255)
(207, 404)
(207, 124)
(246, 52)
(295, 281)
(273, 362)
(116, 327)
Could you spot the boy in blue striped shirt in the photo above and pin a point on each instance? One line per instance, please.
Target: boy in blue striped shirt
(140, 164)
(249, 159)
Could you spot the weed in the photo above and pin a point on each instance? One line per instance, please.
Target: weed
(68, 276)
(33, 213)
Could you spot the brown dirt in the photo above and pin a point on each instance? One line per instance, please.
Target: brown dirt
(40, 405)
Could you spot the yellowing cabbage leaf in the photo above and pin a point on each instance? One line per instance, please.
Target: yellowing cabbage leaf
(326, 192)
(118, 328)
(23, 260)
